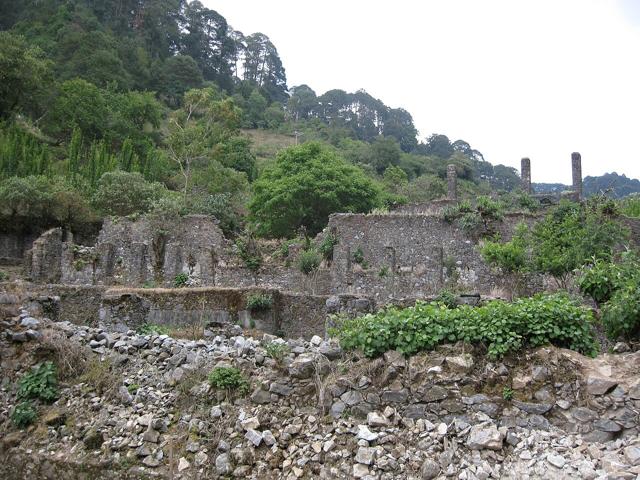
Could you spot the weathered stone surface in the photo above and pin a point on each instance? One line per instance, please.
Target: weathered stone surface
(599, 385)
(485, 437)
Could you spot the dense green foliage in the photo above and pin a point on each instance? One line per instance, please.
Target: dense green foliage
(309, 261)
(306, 185)
(616, 287)
(24, 414)
(569, 236)
(40, 383)
(259, 302)
(161, 88)
(499, 326)
(229, 379)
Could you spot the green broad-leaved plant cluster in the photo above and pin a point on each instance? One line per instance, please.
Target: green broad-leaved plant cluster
(615, 286)
(499, 326)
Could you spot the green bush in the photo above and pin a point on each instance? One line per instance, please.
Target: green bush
(23, 414)
(600, 280)
(502, 327)
(40, 383)
(309, 261)
(4, 276)
(621, 314)
(181, 280)
(447, 298)
(630, 206)
(152, 329)
(277, 350)
(259, 302)
(230, 379)
(326, 246)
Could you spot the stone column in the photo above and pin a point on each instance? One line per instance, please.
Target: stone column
(576, 173)
(452, 183)
(525, 175)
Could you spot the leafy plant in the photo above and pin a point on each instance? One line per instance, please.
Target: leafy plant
(309, 261)
(259, 302)
(40, 383)
(358, 256)
(277, 350)
(23, 414)
(4, 276)
(621, 314)
(507, 393)
(384, 272)
(447, 298)
(181, 280)
(248, 251)
(600, 280)
(152, 329)
(133, 388)
(500, 326)
(229, 379)
(326, 246)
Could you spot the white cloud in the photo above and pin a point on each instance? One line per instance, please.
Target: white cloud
(537, 78)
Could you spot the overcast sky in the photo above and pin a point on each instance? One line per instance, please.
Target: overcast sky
(514, 78)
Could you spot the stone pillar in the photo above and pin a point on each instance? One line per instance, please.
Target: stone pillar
(452, 183)
(525, 175)
(576, 173)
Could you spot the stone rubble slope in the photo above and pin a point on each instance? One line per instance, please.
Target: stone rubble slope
(318, 412)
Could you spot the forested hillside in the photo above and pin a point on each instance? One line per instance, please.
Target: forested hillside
(614, 185)
(123, 107)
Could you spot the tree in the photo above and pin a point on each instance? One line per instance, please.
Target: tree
(81, 105)
(306, 184)
(302, 102)
(24, 72)
(177, 75)
(385, 152)
(438, 145)
(197, 127)
(263, 67)
(123, 193)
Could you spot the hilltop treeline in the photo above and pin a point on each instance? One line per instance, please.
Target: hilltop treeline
(149, 102)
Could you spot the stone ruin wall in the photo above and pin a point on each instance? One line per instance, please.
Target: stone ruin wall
(412, 256)
(291, 315)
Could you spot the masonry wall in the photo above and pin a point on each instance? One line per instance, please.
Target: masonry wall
(290, 315)
(410, 256)
(13, 246)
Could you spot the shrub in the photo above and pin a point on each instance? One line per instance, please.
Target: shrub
(181, 280)
(502, 327)
(248, 251)
(621, 314)
(124, 193)
(309, 261)
(229, 379)
(259, 302)
(152, 329)
(133, 388)
(615, 286)
(507, 393)
(4, 276)
(600, 280)
(326, 246)
(40, 383)
(23, 414)
(277, 350)
(630, 206)
(447, 298)
(358, 257)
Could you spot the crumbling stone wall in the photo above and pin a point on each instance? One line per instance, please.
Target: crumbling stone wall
(13, 247)
(44, 260)
(410, 256)
(290, 315)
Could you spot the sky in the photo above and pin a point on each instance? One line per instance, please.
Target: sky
(513, 78)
